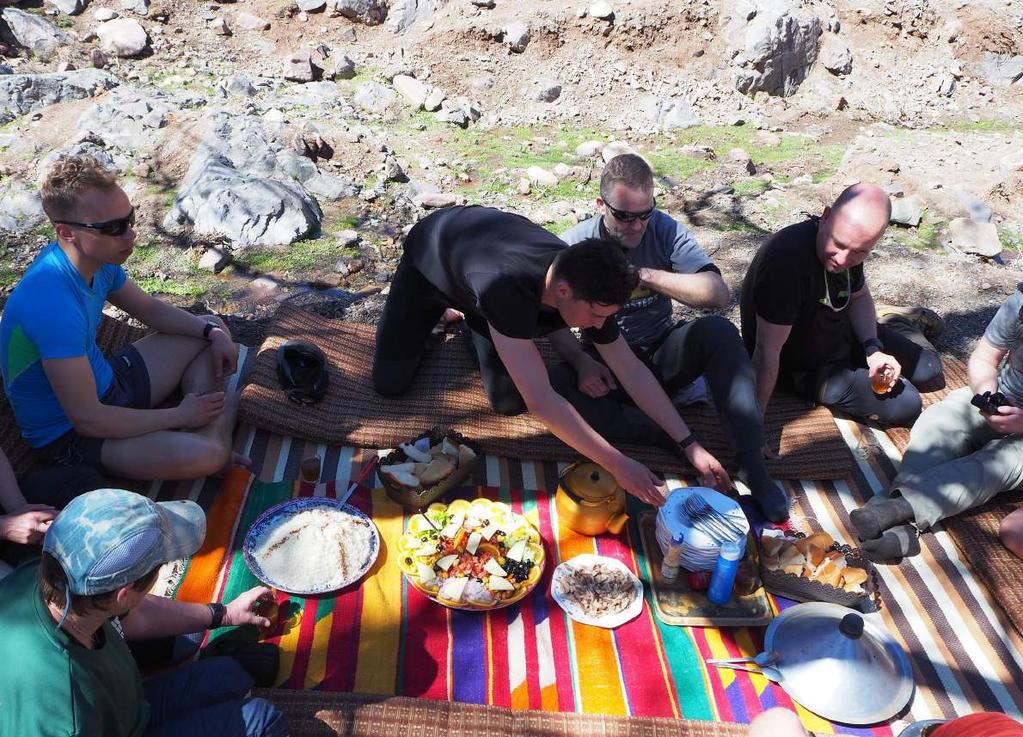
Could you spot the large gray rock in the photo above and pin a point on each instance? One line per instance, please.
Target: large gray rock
(907, 210)
(298, 67)
(139, 7)
(412, 89)
(122, 37)
(20, 209)
(669, 114)
(1000, 68)
(24, 93)
(970, 236)
(71, 7)
(30, 31)
(244, 183)
(338, 66)
(311, 6)
(837, 59)
(370, 12)
(403, 14)
(127, 118)
(330, 187)
(774, 44)
(516, 35)
(458, 112)
(374, 97)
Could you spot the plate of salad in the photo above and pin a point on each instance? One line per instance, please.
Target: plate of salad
(473, 555)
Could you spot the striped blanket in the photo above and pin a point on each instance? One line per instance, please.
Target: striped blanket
(385, 638)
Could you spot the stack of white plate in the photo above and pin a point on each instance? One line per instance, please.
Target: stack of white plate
(702, 537)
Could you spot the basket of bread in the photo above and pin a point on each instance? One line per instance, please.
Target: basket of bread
(814, 568)
(424, 469)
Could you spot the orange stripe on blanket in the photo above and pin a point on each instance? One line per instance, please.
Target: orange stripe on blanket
(200, 582)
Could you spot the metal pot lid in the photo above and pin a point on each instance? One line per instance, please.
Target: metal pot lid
(838, 665)
(588, 482)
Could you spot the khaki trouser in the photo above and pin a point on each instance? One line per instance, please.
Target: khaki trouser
(955, 461)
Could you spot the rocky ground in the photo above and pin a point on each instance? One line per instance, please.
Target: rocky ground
(278, 149)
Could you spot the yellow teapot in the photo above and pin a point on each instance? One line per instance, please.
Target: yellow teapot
(590, 501)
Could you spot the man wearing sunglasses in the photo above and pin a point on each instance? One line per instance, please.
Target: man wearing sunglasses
(672, 267)
(811, 326)
(79, 407)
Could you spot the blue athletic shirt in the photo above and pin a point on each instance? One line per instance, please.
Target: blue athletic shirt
(52, 313)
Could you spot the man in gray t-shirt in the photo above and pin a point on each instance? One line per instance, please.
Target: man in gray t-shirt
(959, 455)
(671, 266)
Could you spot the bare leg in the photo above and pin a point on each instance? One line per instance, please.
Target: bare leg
(1011, 532)
(168, 358)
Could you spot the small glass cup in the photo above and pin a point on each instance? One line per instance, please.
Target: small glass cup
(267, 606)
(882, 381)
(310, 469)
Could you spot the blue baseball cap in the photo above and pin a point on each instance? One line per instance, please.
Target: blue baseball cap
(110, 538)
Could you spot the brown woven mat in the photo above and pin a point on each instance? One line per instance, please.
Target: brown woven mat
(112, 334)
(324, 714)
(976, 534)
(955, 376)
(448, 391)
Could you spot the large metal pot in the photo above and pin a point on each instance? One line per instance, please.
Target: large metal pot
(837, 665)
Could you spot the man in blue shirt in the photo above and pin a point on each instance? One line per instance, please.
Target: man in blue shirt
(74, 404)
(672, 267)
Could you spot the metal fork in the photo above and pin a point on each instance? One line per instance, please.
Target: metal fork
(700, 511)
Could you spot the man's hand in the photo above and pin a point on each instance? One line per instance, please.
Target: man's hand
(199, 410)
(240, 611)
(1008, 419)
(28, 525)
(712, 474)
(639, 481)
(224, 353)
(595, 379)
(880, 363)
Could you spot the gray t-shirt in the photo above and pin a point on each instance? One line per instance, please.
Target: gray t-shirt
(1006, 331)
(666, 245)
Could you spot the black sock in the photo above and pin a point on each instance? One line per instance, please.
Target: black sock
(897, 542)
(771, 497)
(873, 519)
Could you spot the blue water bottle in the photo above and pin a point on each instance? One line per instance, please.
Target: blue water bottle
(723, 578)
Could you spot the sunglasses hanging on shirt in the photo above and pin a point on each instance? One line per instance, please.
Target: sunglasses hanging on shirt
(847, 292)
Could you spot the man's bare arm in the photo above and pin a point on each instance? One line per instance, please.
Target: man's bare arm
(983, 367)
(704, 289)
(767, 357)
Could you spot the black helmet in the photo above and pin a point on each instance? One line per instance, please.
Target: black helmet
(302, 371)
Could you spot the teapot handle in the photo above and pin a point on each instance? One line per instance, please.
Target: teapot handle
(617, 523)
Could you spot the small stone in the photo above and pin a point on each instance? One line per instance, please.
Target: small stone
(219, 26)
(541, 177)
(251, 22)
(973, 237)
(434, 100)
(615, 148)
(523, 186)
(98, 59)
(547, 92)
(428, 200)
(907, 211)
(123, 37)
(338, 66)
(414, 91)
(601, 10)
(837, 59)
(562, 170)
(298, 67)
(588, 149)
(264, 285)
(489, 4)
(347, 238)
(214, 260)
(516, 36)
(104, 14)
(696, 151)
(742, 158)
(311, 6)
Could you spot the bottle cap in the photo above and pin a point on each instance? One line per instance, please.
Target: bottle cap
(730, 550)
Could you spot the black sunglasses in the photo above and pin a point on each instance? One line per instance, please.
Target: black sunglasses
(116, 227)
(624, 216)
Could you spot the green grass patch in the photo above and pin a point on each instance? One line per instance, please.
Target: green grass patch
(9, 274)
(191, 288)
(750, 187)
(44, 230)
(312, 255)
(1012, 240)
(925, 237)
(560, 226)
(63, 21)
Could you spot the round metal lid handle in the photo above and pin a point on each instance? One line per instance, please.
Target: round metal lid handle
(851, 626)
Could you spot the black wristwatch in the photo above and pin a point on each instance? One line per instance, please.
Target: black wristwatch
(872, 343)
(687, 441)
(209, 328)
(217, 612)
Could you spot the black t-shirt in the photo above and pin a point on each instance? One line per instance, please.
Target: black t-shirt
(787, 285)
(491, 265)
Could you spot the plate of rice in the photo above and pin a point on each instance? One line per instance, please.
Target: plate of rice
(311, 545)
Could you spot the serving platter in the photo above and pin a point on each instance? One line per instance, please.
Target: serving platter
(282, 513)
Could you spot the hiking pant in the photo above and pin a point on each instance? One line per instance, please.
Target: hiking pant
(708, 346)
(845, 385)
(209, 698)
(413, 308)
(956, 461)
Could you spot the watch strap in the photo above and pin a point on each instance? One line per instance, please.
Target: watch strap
(687, 441)
(209, 328)
(217, 612)
(872, 343)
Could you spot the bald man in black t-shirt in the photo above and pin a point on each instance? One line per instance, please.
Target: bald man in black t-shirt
(514, 281)
(810, 324)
